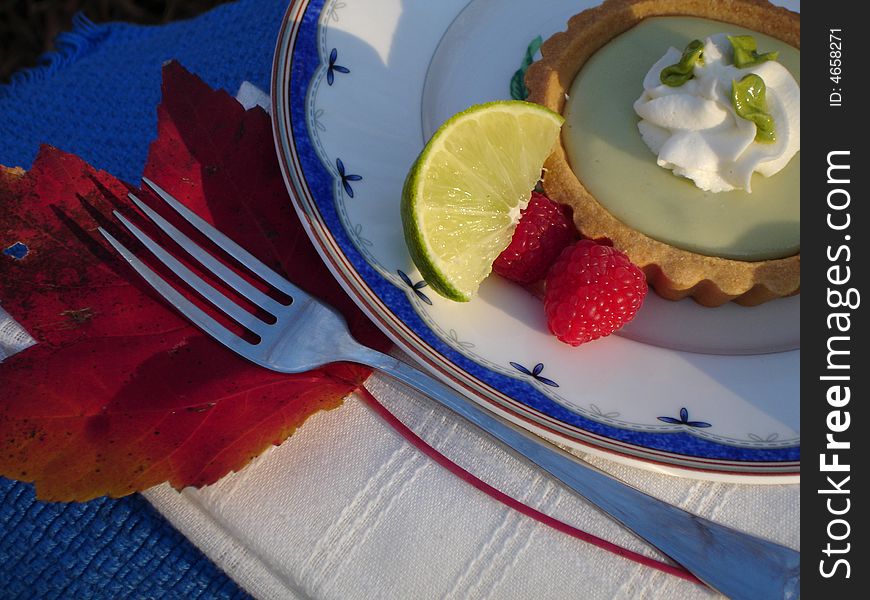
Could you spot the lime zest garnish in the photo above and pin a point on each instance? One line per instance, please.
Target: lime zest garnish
(749, 98)
(745, 52)
(679, 73)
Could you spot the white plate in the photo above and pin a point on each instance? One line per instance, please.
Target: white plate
(358, 86)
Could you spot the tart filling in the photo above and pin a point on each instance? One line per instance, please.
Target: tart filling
(715, 247)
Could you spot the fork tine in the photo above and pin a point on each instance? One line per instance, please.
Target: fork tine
(196, 315)
(210, 262)
(233, 310)
(229, 246)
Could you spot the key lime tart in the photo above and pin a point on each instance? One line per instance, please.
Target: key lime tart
(681, 141)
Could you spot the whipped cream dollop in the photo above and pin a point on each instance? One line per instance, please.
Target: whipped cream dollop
(695, 130)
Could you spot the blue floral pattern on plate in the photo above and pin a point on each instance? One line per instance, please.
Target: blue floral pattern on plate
(415, 287)
(535, 373)
(333, 68)
(684, 420)
(346, 178)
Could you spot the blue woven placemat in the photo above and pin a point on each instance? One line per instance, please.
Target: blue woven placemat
(96, 97)
(99, 549)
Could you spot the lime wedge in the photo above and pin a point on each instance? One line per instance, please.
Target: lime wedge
(463, 195)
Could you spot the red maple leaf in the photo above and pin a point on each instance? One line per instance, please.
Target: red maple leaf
(121, 393)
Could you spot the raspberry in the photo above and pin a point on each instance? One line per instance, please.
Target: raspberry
(592, 290)
(541, 234)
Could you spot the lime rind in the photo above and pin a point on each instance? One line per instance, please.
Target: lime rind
(419, 254)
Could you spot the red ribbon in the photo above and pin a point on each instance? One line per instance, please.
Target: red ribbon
(484, 487)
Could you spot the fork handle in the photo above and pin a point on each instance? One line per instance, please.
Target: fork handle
(736, 564)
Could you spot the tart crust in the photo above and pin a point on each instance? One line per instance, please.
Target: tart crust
(674, 273)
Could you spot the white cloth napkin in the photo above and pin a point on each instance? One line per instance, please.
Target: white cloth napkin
(347, 508)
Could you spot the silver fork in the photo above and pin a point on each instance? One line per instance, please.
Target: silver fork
(308, 334)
